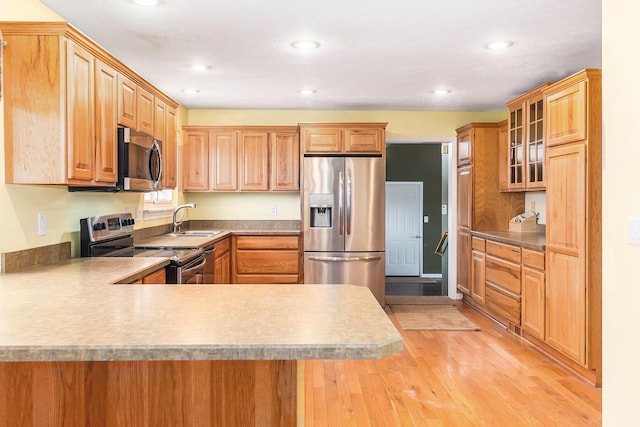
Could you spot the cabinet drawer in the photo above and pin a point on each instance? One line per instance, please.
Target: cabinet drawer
(533, 259)
(504, 251)
(267, 262)
(222, 246)
(259, 279)
(267, 242)
(477, 244)
(503, 274)
(502, 303)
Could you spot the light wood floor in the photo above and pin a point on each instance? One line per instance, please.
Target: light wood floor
(450, 379)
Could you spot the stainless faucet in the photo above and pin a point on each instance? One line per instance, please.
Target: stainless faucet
(177, 226)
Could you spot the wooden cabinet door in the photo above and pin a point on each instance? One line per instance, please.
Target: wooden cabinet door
(322, 140)
(285, 161)
(106, 123)
(195, 161)
(223, 148)
(516, 144)
(464, 147)
(533, 302)
(534, 168)
(158, 277)
(566, 114)
(465, 196)
(80, 113)
(566, 251)
(363, 140)
(464, 261)
(159, 120)
(127, 102)
(145, 111)
(169, 151)
(477, 275)
(223, 269)
(503, 156)
(254, 161)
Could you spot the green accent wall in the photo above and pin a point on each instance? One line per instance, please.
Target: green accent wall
(422, 162)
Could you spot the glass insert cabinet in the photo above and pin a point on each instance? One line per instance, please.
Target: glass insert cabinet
(526, 142)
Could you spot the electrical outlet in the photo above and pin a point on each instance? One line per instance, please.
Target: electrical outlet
(633, 232)
(42, 224)
(138, 214)
(273, 210)
(425, 219)
(444, 209)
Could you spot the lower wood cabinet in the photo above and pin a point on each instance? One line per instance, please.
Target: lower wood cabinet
(502, 274)
(266, 259)
(533, 293)
(478, 277)
(223, 261)
(158, 277)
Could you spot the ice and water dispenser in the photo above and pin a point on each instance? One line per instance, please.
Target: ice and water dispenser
(321, 206)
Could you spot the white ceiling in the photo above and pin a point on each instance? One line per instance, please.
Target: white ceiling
(374, 54)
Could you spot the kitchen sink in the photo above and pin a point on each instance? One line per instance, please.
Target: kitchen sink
(195, 233)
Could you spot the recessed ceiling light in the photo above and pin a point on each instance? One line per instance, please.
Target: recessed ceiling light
(307, 92)
(190, 91)
(147, 2)
(498, 45)
(441, 92)
(305, 44)
(198, 67)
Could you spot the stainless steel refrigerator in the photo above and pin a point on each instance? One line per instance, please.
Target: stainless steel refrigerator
(343, 217)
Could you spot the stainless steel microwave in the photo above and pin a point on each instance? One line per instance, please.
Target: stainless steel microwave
(139, 164)
(139, 161)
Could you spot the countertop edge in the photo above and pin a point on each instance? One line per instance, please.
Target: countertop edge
(535, 241)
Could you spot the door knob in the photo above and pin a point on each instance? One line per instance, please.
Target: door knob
(418, 236)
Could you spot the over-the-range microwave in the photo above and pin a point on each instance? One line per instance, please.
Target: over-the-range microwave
(139, 164)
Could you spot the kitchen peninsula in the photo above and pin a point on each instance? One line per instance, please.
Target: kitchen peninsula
(77, 350)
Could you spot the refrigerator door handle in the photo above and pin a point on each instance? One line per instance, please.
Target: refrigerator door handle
(340, 198)
(340, 259)
(348, 201)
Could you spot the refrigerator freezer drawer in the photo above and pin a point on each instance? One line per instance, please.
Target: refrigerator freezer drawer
(355, 268)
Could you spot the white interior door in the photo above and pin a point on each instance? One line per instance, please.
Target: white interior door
(403, 228)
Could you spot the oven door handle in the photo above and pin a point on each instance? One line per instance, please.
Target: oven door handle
(195, 267)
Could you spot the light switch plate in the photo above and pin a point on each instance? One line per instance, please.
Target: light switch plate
(42, 224)
(633, 232)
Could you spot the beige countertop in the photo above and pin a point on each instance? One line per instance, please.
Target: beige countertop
(535, 241)
(70, 311)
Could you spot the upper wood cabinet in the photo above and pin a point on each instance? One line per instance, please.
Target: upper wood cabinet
(361, 138)
(223, 160)
(169, 151)
(145, 111)
(127, 102)
(106, 92)
(80, 113)
(503, 155)
(159, 120)
(195, 161)
(285, 161)
(253, 159)
(246, 158)
(525, 141)
(62, 97)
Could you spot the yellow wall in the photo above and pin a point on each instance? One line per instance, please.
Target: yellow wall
(401, 123)
(620, 200)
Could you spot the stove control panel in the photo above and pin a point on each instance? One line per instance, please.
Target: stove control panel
(97, 228)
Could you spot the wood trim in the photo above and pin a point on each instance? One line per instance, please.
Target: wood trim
(149, 393)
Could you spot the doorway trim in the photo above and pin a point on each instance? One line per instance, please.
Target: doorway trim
(452, 222)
